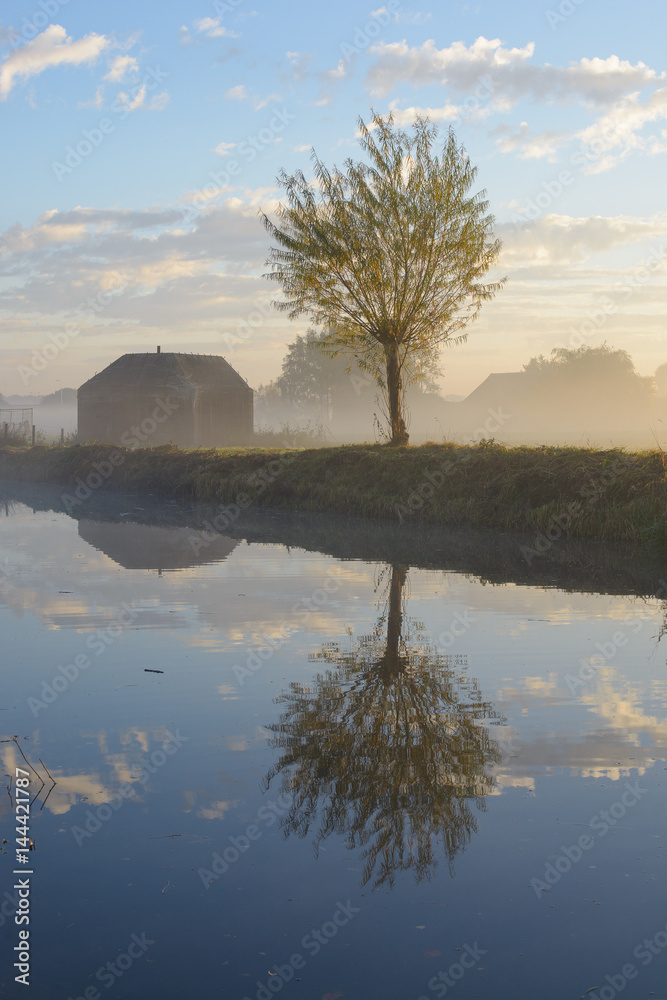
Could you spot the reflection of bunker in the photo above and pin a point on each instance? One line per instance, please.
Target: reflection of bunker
(144, 546)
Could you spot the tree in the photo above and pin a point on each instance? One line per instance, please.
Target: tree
(388, 255)
(661, 380)
(310, 379)
(390, 749)
(602, 374)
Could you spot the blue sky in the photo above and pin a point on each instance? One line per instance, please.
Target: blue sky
(140, 141)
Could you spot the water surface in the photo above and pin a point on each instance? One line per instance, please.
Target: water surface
(320, 759)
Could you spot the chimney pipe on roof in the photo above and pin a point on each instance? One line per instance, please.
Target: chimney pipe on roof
(158, 350)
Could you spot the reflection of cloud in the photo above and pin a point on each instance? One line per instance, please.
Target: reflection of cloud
(74, 789)
(628, 738)
(69, 790)
(228, 691)
(504, 781)
(216, 810)
(539, 687)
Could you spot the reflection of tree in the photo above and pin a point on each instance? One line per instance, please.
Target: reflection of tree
(389, 748)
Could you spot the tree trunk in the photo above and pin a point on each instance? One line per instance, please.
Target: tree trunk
(399, 433)
(393, 661)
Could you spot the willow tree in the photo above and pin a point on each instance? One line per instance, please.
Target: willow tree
(390, 749)
(388, 254)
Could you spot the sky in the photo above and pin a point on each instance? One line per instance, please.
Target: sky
(140, 141)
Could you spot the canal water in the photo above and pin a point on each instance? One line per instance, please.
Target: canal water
(316, 758)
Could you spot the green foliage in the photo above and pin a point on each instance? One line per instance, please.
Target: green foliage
(388, 255)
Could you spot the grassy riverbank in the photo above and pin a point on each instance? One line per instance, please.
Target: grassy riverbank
(554, 491)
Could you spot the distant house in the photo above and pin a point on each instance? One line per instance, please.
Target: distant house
(191, 400)
(499, 389)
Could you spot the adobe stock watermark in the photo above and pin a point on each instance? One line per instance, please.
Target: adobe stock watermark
(227, 515)
(67, 674)
(597, 317)
(248, 151)
(61, 339)
(600, 824)
(443, 982)
(312, 943)
(471, 105)
(102, 471)
(589, 153)
(565, 9)
(148, 766)
(419, 497)
(237, 846)
(560, 524)
(256, 659)
(111, 972)
(255, 320)
(589, 666)
(458, 626)
(367, 33)
(226, 6)
(92, 138)
(645, 952)
(36, 22)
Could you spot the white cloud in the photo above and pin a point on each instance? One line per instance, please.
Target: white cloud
(159, 102)
(515, 77)
(606, 142)
(261, 102)
(137, 100)
(237, 93)
(565, 240)
(120, 67)
(406, 116)
(339, 72)
(530, 146)
(212, 28)
(617, 132)
(132, 102)
(627, 97)
(52, 48)
(412, 16)
(223, 148)
(95, 102)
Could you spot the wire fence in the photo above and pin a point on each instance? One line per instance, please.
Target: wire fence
(16, 421)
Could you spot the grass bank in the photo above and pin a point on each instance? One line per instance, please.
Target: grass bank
(556, 492)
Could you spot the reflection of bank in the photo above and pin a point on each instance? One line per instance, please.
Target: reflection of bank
(389, 748)
(143, 546)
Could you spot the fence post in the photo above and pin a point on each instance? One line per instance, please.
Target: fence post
(6, 432)
(33, 435)
(62, 437)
